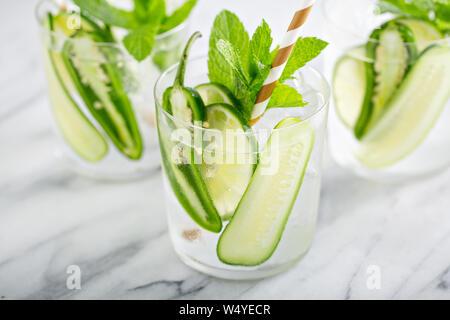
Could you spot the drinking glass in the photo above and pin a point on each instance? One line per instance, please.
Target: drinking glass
(196, 246)
(415, 143)
(89, 144)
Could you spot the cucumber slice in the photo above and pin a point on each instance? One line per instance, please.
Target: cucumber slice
(258, 223)
(349, 86)
(424, 32)
(412, 112)
(392, 58)
(215, 93)
(76, 129)
(233, 160)
(95, 73)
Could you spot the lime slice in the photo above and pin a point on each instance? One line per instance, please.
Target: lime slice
(349, 85)
(258, 223)
(215, 93)
(424, 32)
(412, 112)
(230, 160)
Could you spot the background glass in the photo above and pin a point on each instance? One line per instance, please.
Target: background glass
(349, 25)
(137, 80)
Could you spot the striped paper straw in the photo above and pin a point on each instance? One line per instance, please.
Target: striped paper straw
(286, 47)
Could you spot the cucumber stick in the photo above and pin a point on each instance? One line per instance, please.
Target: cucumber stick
(229, 164)
(76, 129)
(411, 113)
(349, 85)
(256, 228)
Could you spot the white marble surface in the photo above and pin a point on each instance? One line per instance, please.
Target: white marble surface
(117, 233)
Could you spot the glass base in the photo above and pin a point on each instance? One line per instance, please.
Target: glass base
(238, 273)
(388, 178)
(134, 171)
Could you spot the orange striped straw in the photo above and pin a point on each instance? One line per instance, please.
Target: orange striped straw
(279, 63)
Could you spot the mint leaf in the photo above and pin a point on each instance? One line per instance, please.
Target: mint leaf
(146, 20)
(228, 27)
(285, 96)
(305, 50)
(149, 11)
(261, 58)
(108, 14)
(156, 11)
(141, 9)
(178, 16)
(260, 45)
(242, 65)
(435, 11)
(233, 59)
(139, 42)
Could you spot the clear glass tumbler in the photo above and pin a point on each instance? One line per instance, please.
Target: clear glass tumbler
(226, 178)
(99, 94)
(410, 138)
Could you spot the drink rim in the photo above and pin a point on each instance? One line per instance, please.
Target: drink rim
(326, 95)
(337, 25)
(158, 37)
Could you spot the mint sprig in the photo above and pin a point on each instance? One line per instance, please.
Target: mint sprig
(242, 64)
(435, 11)
(144, 22)
(177, 17)
(285, 96)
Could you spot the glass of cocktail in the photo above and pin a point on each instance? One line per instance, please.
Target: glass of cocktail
(391, 88)
(242, 200)
(99, 92)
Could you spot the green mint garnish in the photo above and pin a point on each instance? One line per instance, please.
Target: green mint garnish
(285, 96)
(435, 11)
(233, 59)
(228, 27)
(147, 19)
(108, 14)
(178, 16)
(305, 50)
(242, 65)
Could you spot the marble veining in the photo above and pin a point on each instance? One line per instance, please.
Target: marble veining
(50, 218)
